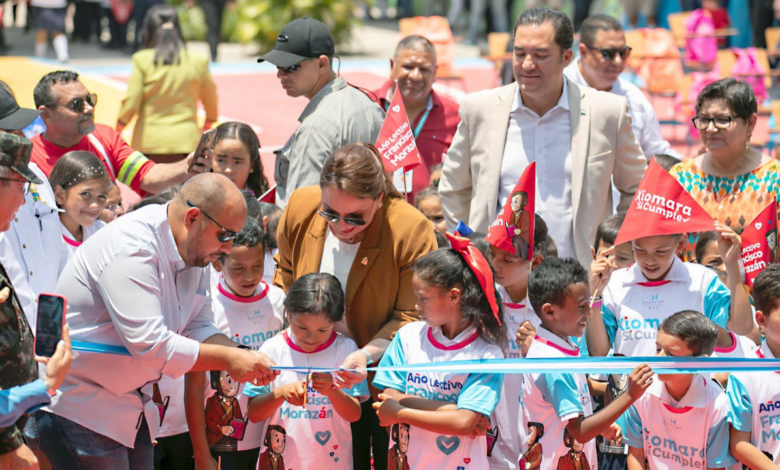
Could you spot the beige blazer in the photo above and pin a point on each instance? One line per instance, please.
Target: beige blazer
(604, 149)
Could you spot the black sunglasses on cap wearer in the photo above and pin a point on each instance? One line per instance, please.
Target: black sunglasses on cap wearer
(226, 235)
(609, 54)
(77, 104)
(293, 68)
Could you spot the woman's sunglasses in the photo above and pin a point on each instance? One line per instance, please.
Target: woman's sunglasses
(335, 218)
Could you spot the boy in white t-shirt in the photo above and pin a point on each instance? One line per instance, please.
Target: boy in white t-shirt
(250, 312)
(682, 421)
(637, 299)
(307, 419)
(560, 404)
(755, 396)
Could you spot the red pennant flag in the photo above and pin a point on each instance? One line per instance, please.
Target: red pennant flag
(396, 141)
(269, 196)
(661, 206)
(759, 243)
(513, 229)
(122, 9)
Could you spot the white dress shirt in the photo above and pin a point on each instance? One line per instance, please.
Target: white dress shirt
(34, 240)
(128, 286)
(643, 118)
(337, 259)
(531, 138)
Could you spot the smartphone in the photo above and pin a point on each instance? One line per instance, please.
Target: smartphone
(51, 315)
(206, 142)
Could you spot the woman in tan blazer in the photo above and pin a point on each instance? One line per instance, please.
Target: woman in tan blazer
(356, 226)
(165, 86)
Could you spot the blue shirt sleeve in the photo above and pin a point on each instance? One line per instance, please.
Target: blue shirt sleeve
(394, 356)
(718, 453)
(740, 408)
(632, 428)
(717, 302)
(16, 401)
(481, 393)
(359, 390)
(251, 391)
(610, 324)
(560, 391)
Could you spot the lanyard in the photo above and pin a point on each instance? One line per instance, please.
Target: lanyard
(423, 118)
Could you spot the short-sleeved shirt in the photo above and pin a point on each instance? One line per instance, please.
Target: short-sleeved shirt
(741, 347)
(635, 307)
(316, 436)
(434, 137)
(71, 244)
(418, 343)
(551, 400)
(734, 201)
(507, 419)
(124, 164)
(755, 406)
(337, 115)
(662, 427)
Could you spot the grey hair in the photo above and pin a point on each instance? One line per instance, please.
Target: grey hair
(591, 26)
(43, 94)
(562, 27)
(415, 43)
(697, 331)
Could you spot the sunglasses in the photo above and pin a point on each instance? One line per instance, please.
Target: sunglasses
(335, 218)
(226, 235)
(293, 68)
(609, 54)
(77, 104)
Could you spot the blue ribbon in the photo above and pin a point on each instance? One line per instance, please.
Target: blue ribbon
(580, 365)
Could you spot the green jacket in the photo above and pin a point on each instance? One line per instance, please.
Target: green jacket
(17, 357)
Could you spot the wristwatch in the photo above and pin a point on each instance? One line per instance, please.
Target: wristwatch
(369, 358)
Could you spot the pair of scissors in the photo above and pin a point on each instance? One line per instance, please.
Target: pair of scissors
(306, 388)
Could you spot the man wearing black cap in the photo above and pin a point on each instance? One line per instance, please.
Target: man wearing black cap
(337, 114)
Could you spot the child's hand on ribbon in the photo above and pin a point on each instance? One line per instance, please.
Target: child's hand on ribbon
(525, 336)
(387, 410)
(294, 393)
(638, 381)
(322, 382)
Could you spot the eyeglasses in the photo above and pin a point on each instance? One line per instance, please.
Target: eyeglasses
(226, 235)
(720, 122)
(77, 104)
(335, 218)
(25, 184)
(293, 68)
(609, 54)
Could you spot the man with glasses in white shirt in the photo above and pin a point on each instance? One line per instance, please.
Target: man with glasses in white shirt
(141, 284)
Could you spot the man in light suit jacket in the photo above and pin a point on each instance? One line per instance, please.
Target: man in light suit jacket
(581, 139)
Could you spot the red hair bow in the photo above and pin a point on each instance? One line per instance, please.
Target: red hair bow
(479, 266)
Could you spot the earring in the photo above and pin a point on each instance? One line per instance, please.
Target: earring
(380, 204)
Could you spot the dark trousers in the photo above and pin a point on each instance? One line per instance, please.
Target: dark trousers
(368, 436)
(174, 453)
(238, 460)
(140, 8)
(213, 10)
(761, 17)
(118, 31)
(86, 20)
(581, 9)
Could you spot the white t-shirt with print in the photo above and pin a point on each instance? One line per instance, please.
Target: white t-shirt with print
(635, 307)
(249, 321)
(755, 406)
(71, 244)
(315, 437)
(689, 434)
(741, 347)
(418, 343)
(506, 421)
(551, 400)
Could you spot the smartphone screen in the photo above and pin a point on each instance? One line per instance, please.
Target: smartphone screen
(206, 142)
(51, 312)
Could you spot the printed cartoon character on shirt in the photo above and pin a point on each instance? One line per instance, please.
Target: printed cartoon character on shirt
(520, 229)
(396, 460)
(275, 441)
(532, 459)
(575, 459)
(225, 424)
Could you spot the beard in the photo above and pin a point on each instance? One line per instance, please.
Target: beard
(86, 126)
(195, 255)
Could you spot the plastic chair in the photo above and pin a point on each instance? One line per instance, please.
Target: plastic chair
(772, 36)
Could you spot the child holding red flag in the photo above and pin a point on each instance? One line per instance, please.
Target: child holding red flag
(637, 299)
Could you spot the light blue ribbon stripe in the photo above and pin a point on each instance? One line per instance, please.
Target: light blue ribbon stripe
(589, 365)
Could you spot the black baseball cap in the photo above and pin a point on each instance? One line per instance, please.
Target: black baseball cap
(299, 40)
(12, 117)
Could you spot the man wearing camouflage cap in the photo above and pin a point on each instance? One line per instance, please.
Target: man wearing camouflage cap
(16, 339)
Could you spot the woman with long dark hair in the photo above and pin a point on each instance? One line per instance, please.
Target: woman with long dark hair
(166, 84)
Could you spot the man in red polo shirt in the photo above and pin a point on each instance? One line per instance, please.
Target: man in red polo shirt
(434, 118)
(68, 110)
